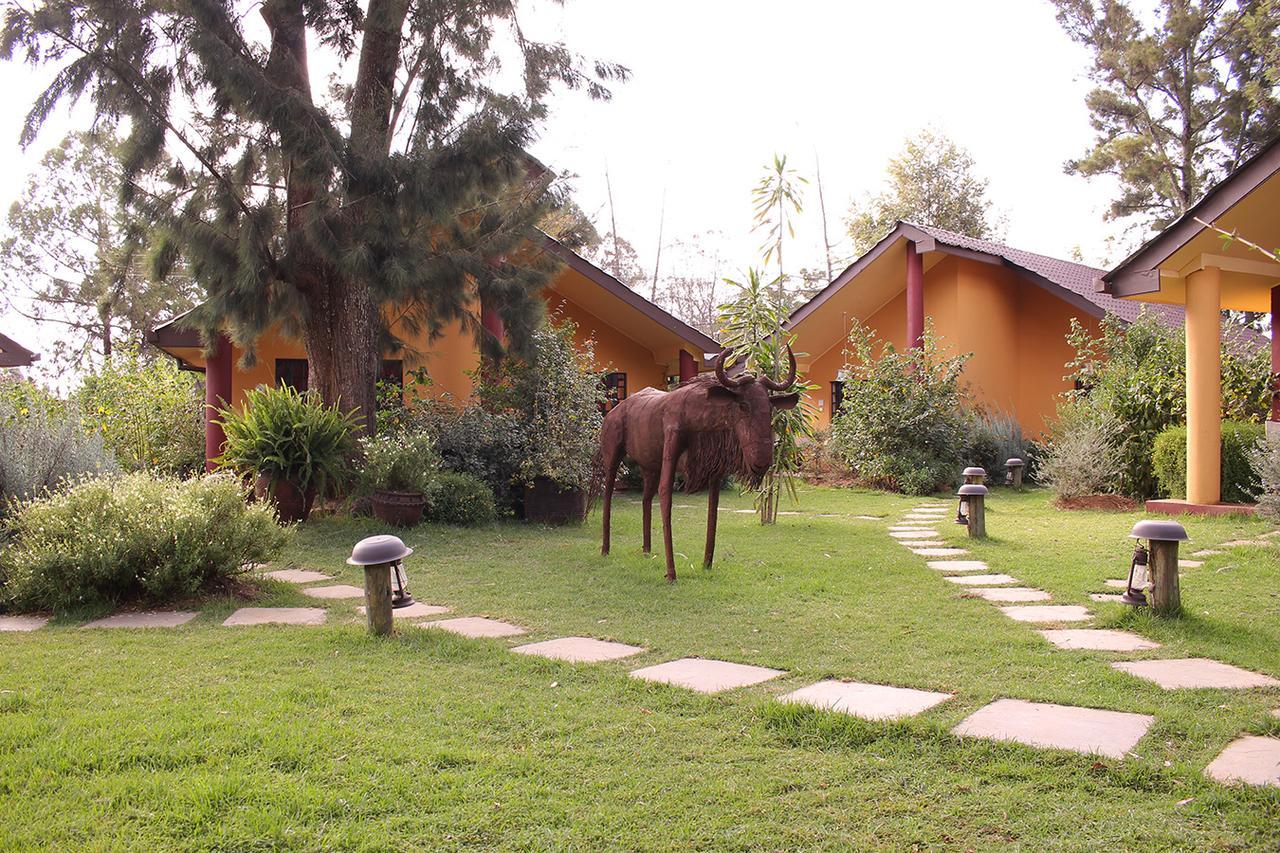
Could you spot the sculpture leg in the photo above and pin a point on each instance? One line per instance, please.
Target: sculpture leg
(650, 489)
(611, 463)
(713, 511)
(666, 484)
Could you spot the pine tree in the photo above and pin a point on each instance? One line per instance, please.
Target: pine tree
(408, 186)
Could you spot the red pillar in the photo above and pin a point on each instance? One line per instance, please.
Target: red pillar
(492, 321)
(688, 367)
(217, 392)
(1275, 350)
(915, 296)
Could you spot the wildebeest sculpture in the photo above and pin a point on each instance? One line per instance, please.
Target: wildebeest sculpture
(705, 429)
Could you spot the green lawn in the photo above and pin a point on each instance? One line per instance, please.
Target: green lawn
(324, 737)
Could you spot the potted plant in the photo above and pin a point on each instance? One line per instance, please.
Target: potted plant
(292, 445)
(397, 474)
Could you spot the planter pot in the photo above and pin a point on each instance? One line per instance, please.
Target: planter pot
(545, 502)
(291, 504)
(400, 509)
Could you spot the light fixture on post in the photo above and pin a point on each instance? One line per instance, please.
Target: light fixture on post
(384, 580)
(1013, 472)
(1161, 556)
(972, 511)
(975, 475)
(1139, 578)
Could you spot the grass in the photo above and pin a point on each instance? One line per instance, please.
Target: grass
(207, 736)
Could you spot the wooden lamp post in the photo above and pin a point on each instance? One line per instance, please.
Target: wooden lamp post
(381, 557)
(1161, 556)
(972, 511)
(1013, 472)
(974, 475)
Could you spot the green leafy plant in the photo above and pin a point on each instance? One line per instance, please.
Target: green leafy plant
(992, 438)
(398, 462)
(1083, 458)
(902, 424)
(460, 499)
(284, 435)
(1265, 459)
(1239, 480)
(43, 443)
(133, 538)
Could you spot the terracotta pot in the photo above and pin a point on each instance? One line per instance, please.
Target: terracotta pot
(401, 509)
(545, 502)
(291, 504)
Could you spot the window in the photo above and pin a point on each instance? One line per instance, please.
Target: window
(837, 396)
(391, 372)
(292, 372)
(615, 389)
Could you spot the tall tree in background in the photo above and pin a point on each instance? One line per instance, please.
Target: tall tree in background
(1179, 103)
(408, 184)
(931, 181)
(778, 198)
(72, 256)
(616, 256)
(691, 292)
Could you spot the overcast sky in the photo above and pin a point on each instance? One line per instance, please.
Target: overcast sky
(719, 86)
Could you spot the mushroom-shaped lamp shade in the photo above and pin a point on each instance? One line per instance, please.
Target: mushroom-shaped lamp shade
(969, 489)
(1014, 462)
(378, 549)
(972, 471)
(1159, 531)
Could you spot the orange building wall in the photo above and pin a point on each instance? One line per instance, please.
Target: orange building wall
(614, 350)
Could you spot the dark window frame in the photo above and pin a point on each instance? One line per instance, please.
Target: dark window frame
(288, 371)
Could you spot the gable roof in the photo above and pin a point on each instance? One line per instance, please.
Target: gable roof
(14, 354)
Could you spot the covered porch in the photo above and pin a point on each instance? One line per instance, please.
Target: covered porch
(1191, 263)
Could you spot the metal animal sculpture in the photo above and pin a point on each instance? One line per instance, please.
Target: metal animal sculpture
(705, 429)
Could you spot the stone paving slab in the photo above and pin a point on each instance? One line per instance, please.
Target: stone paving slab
(939, 552)
(1117, 583)
(579, 650)
(1276, 712)
(1098, 639)
(913, 534)
(1190, 564)
(1011, 594)
(1040, 724)
(1236, 543)
(340, 590)
(1251, 759)
(147, 619)
(1272, 534)
(1048, 613)
(1208, 552)
(910, 528)
(923, 543)
(981, 580)
(413, 610)
(276, 616)
(1107, 596)
(298, 576)
(1189, 673)
(958, 565)
(22, 623)
(706, 676)
(924, 516)
(476, 626)
(869, 517)
(868, 701)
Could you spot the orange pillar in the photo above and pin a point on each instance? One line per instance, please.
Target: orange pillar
(492, 321)
(217, 393)
(1204, 386)
(915, 296)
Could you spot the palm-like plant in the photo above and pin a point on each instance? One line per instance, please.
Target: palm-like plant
(777, 198)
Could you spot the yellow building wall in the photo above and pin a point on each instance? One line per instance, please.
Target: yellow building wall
(614, 350)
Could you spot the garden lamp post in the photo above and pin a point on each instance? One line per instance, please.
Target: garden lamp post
(1161, 557)
(1013, 472)
(972, 512)
(975, 475)
(384, 581)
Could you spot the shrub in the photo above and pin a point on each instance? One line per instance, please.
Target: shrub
(486, 445)
(993, 439)
(1266, 465)
(901, 425)
(460, 499)
(43, 443)
(399, 462)
(133, 537)
(1239, 481)
(149, 413)
(1083, 458)
(289, 436)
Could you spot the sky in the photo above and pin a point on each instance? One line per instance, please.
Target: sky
(718, 87)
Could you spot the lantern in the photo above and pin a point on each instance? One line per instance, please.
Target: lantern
(975, 475)
(971, 511)
(385, 584)
(1159, 561)
(1139, 578)
(1013, 469)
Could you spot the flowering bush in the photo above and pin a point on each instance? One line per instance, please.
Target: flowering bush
(133, 537)
(398, 461)
(43, 443)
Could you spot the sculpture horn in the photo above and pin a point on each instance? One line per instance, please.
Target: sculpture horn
(720, 371)
(784, 384)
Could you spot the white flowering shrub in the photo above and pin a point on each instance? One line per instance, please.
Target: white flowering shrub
(133, 538)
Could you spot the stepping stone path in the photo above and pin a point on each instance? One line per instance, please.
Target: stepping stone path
(22, 623)
(912, 528)
(981, 580)
(1011, 594)
(1186, 673)
(476, 626)
(939, 552)
(152, 619)
(913, 534)
(958, 565)
(869, 517)
(298, 576)
(923, 543)
(706, 676)
(1106, 596)
(1117, 583)
(1208, 552)
(579, 650)
(1238, 543)
(867, 701)
(413, 610)
(340, 590)
(1096, 639)
(1048, 613)
(1087, 730)
(1251, 759)
(276, 616)
(1190, 564)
